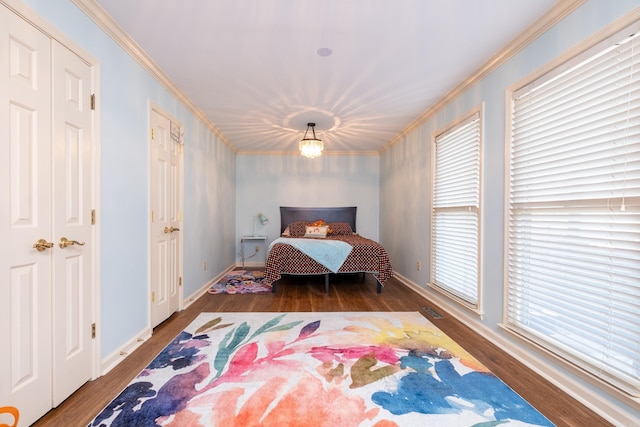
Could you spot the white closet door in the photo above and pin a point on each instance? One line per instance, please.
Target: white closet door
(46, 294)
(25, 217)
(72, 203)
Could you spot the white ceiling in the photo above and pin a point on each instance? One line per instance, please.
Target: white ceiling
(253, 66)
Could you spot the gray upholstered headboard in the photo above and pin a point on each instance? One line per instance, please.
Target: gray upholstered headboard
(343, 214)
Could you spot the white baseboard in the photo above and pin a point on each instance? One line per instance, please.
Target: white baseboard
(251, 264)
(614, 414)
(203, 290)
(112, 360)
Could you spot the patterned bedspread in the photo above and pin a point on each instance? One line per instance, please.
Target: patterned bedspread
(367, 256)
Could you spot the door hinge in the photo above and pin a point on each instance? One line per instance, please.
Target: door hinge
(93, 101)
(180, 281)
(152, 133)
(93, 216)
(153, 296)
(93, 330)
(153, 216)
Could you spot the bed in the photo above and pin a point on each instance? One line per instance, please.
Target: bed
(366, 255)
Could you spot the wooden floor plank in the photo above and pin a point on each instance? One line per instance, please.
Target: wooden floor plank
(347, 293)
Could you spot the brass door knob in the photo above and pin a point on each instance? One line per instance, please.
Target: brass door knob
(64, 242)
(171, 229)
(42, 244)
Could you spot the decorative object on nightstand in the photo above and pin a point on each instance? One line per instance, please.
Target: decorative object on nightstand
(262, 218)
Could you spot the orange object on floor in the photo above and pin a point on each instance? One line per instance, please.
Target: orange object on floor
(14, 412)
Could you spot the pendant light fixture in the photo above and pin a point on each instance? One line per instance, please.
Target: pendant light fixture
(311, 146)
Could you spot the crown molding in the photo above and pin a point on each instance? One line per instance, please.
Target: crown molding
(559, 11)
(297, 153)
(103, 20)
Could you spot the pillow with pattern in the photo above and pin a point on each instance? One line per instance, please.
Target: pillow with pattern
(316, 231)
(340, 228)
(322, 223)
(298, 229)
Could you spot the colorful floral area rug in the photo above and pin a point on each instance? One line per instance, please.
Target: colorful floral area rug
(378, 369)
(241, 282)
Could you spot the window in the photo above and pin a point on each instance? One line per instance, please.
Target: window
(573, 230)
(456, 208)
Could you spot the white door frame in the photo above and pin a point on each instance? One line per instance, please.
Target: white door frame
(20, 9)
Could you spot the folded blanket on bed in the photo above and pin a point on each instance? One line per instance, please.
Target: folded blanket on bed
(330, 253)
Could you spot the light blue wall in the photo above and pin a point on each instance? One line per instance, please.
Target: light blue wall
(264, 183)
(405, 168)
(210, 215)
(209, 177)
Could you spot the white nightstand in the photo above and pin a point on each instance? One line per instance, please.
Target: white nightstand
(255, 239)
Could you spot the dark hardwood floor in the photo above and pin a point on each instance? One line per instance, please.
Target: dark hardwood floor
(347, 293)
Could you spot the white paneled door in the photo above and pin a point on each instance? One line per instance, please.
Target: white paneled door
(46, 307)
(72, 223)
(25, 287)
(166, 217)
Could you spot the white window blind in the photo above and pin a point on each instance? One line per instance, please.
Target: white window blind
(456, 205)
(573, 239)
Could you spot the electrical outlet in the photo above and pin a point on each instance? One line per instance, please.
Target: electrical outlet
(257, 248)
(418, 265)
(204, 265)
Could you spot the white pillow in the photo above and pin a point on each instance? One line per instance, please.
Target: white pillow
(316, 231)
